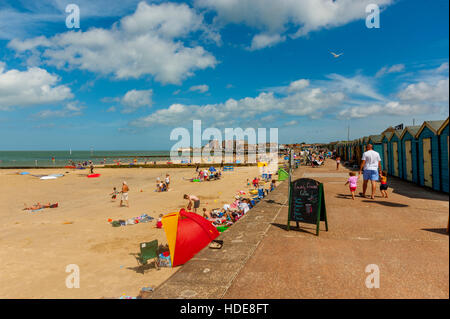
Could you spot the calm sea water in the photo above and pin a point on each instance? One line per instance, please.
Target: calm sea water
(44, 158)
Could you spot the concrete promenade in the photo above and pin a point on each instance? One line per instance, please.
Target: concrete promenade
(405, 236)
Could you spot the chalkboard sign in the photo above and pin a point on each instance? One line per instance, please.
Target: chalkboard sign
(307, 203)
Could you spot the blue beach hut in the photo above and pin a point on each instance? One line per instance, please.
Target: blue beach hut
(376, 141)
(395, 154)
(428, 159)
(385, 142)
(410, 153)
(444, 159)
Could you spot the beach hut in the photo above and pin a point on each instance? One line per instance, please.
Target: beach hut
(428, 140)
(395, 154)
(361, 149)
(444, 159)
(364, 142)
(376, 141)
(409, 153)
(340, 150)
(356, 153)
(351, 151)
(385, 142)
(347, 151)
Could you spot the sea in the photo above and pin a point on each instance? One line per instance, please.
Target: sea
(61, 158)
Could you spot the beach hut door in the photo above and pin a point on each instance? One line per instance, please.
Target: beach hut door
(408, 155)
(427, 170)
(395, 156)
(386, 159)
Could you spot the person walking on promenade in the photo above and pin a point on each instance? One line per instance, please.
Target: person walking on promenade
(371, 169)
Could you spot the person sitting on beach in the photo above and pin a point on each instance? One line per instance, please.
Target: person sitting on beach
(207, 214)
(158, 184)
(192, 199)
(243, 207)
(124, 196)
(234, 205)
(114, 194)
(273, 185)
(167, 181)
(159, 221)
(255, 182)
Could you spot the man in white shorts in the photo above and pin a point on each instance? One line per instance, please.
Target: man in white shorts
(124, 194)
(371, 164)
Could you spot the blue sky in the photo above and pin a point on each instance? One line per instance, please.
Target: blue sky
(135, 70)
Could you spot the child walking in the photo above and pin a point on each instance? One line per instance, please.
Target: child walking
(338, 161)
(114, 194)
(383, 185)
(353, 181)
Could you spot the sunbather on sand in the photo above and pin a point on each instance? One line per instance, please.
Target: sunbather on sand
(207, 214)
(39, 206)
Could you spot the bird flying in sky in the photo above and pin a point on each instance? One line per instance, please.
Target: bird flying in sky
(336, 55)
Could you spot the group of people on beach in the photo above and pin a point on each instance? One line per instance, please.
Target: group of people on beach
(231, 213)
(225, 216)
(371, 171)
(163, 185)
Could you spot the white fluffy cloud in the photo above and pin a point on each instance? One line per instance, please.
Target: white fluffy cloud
(275, 17)
(336, 96)
(303, 101)
(298, 85)
(423, 92)
(148, 42)
(389, 108)
(135, 99)
(262, 40)
(392, 69)
(199, 88)
(70, 110)
(291, 123)
(429, 93)
(31, 87)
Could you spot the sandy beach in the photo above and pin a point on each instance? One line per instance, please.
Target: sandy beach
(37, 246)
